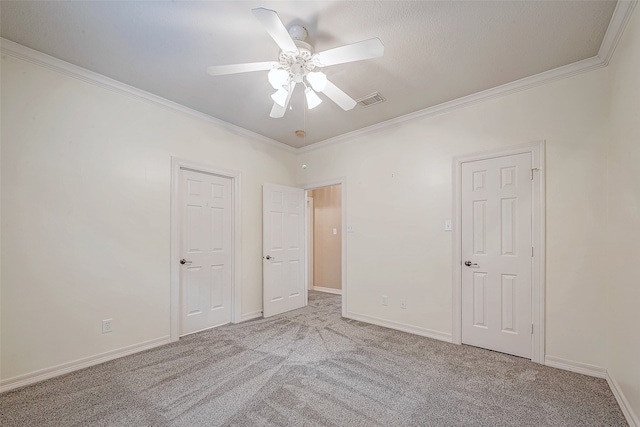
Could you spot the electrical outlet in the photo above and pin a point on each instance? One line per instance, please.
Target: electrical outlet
(403, 304)
(106, 326)
(385, 300)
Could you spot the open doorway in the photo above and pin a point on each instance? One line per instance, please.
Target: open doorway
(324, 239)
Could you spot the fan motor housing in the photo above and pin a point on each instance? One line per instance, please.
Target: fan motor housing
(298, 64)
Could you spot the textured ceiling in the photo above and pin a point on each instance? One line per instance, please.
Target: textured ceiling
(435, 51)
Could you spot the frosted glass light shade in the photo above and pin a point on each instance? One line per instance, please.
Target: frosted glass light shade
(318, 80)
(277, 77)
(280, 97)
(313, 100)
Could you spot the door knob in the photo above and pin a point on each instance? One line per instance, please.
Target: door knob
(470, 264)
(184, 261)
(269, 257)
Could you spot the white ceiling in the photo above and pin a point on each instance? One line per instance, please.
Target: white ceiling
(435, 51)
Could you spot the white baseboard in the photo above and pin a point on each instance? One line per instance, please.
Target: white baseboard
(251, 316)
(579, 367)
(632, 417)
(423, 332)
(327, 290)
(65, 368)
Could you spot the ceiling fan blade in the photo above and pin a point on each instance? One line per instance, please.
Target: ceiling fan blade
(277, 111)
(335, 94)
(276, 29)
(292, 86)
(366, 49)
(220, 70)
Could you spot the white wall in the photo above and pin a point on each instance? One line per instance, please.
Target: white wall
(398, 195)
(623, 237)
(85, 214)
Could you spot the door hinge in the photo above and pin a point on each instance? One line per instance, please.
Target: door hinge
(531, 251)
(532, 329)
(532, 171)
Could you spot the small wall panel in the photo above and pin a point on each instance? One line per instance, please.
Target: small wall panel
(508, 226)
(277, 270)
(294, 273)
(276, 230)
(293, 234)
(276, 197)
(294, 203)
(480, 299)
(508, 177)
(193, 290)
(479, 180)
(217, 191)
(194, 237)
(217, 286)
(479, 227)
(217, 229)
(509, 305)
(194, 188)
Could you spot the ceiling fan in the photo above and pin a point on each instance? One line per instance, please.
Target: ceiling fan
(297, 64)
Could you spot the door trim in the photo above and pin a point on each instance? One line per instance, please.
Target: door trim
(537, 150)
(236, 283)
(309, 242)
(342, 182)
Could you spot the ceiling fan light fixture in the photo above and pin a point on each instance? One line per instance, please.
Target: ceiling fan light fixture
(277, 77)
(296, 64)
(313, 100)
(280, 97)
(318, 80)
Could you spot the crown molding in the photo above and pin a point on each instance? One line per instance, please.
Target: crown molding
(19, 51)
(615, 29)
(618, 22)
(565, 71)
(619, 19)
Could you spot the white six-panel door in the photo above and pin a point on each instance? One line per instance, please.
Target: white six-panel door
(284, 286)
(206, 249)
(496, 252)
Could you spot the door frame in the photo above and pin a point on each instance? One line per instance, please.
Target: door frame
(309, 240)
(177, 164)
(342, 182)
(537, 150)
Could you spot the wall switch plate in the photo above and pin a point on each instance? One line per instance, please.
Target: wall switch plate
(385, 300)
(403, 304)
(335, 231)
(106, 326)
(447, 225)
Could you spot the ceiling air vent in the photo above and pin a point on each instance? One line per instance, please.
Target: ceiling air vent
(369, 100)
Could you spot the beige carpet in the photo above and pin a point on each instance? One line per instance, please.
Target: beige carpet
(310, 367)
